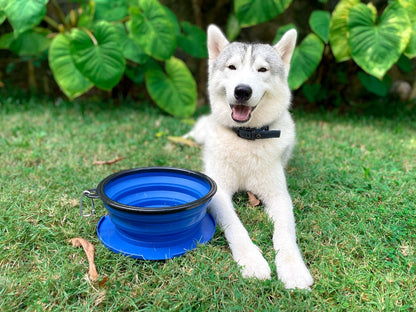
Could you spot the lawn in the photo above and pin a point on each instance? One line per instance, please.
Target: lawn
(352, 180)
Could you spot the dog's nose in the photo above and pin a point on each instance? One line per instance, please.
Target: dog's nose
(242, 92)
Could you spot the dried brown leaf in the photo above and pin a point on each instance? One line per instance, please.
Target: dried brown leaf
(89, 251)
(103, 282)
(108, 162)
(253, 200)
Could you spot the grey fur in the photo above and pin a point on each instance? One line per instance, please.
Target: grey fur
(266, 51)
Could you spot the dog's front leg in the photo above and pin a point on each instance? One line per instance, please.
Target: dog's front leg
(291, 269)
(244, 251)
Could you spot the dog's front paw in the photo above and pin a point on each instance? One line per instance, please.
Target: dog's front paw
(252, 262)
(293, 272)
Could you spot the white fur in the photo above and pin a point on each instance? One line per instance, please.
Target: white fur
(258, 166)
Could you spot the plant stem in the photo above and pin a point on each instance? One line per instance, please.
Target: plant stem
(413, 93)
(202, 73)
(31, 76)
(90, 34)
(58, 11)
(196, 7)
(51, 22)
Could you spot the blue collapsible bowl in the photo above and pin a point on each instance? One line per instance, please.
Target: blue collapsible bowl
(155, 213)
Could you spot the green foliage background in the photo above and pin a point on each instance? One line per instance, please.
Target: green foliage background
(97, 43)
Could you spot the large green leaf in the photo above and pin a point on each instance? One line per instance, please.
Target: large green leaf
(6, 40)
(31, 42)
(129, 47)
(25, 14)
(173, 19)
(374, 85)
(319, 22)
(233, 27)
(153, 29)
(111, 10)
(67, 76)
(193, 40)
(376, 47)
(135, 74)
(282, 30)
(305, 60)
(252, 12)
(410, 8)
(405, 64)
(98, 55)
(173, 90)
(338, 30)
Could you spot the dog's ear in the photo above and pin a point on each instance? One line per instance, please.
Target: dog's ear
(286, 46)
(216, 41)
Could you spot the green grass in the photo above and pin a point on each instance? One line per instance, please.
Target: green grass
(352, 181)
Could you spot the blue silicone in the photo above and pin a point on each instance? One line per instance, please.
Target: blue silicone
(144, 250)
(155, 213)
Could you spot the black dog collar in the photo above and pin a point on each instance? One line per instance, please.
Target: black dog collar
(256, 133)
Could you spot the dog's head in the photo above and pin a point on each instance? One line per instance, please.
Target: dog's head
(248, 82)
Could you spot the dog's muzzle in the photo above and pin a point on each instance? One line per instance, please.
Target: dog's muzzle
(241, 111)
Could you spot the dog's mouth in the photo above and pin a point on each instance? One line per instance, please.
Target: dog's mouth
(241, 113)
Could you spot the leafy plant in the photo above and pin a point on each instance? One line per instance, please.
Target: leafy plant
(379, 87)
(305, 60)
(67, 75)
(338, 30)
(103, 40)
(252, 12)
(376, 47)
(319, 22)
(172, 86)
(375, 42)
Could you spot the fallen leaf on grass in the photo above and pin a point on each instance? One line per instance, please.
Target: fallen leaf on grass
(108, 162)
(89, 251)
(182, 141)
(253, 200)
(103, 282)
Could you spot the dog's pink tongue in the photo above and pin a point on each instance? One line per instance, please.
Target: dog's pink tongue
(241, 112)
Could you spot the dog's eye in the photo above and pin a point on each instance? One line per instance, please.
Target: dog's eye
(232, 67)
(262, 70)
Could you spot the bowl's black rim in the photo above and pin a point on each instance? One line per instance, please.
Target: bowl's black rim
(155, 210)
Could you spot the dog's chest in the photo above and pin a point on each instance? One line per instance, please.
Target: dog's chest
(227, 149)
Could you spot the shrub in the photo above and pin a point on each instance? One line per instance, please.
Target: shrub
(102, 40)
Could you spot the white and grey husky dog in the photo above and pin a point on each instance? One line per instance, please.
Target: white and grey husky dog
(248, 139)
